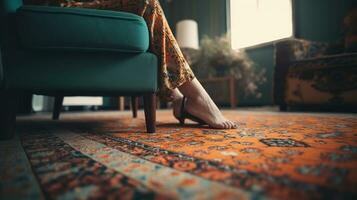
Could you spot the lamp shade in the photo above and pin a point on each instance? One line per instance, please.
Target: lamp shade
(187, 34)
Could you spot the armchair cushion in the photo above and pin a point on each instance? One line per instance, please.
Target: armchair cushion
(83, 73)
(42, 27)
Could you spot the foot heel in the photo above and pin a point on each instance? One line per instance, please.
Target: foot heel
(182, 112)
(182, 121)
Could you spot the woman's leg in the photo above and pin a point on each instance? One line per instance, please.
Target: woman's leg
(176, 75)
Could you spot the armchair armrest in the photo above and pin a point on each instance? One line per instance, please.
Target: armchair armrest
(296, 49)
(80, 29)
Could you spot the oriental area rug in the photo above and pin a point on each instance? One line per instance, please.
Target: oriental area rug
(108, 155)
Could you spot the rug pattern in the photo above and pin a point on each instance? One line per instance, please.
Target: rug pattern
(65, 173)
(278, 156)
(16, 178)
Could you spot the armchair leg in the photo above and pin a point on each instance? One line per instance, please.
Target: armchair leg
(150, 112)
(283, 107)
(57, 107)
(7, 115)
(134, 106)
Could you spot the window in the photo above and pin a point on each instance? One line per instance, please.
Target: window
(254, 22)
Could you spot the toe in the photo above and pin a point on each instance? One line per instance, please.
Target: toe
(231, 125)
(221, 125)
(227, 125)
(234, 124)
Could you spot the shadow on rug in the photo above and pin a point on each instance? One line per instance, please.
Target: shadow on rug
(271, 155)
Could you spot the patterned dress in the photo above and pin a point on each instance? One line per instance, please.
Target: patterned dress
(174, 69)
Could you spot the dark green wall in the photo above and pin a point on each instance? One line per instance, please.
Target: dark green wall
(264, 58)
(321, 20)
(209, 14)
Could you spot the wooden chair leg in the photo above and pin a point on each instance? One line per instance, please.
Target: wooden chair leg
(121, 103)
(8, 104)
(283, 107)
(150, 112)
(134, 106)
(57, 107)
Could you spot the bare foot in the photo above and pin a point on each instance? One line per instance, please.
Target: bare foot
(205, 109)
(200, 105)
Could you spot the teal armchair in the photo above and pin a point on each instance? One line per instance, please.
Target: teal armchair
(73, 51)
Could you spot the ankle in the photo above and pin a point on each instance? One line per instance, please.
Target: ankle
(177, 101)
(198, 98)
(175, 95)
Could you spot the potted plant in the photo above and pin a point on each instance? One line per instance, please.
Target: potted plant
(216, 58)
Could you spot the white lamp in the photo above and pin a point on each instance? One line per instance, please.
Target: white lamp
(187, 34)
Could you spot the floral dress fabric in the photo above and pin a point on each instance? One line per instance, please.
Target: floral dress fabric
(174, 69)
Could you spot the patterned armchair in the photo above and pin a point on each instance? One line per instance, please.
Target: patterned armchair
(307, 74)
